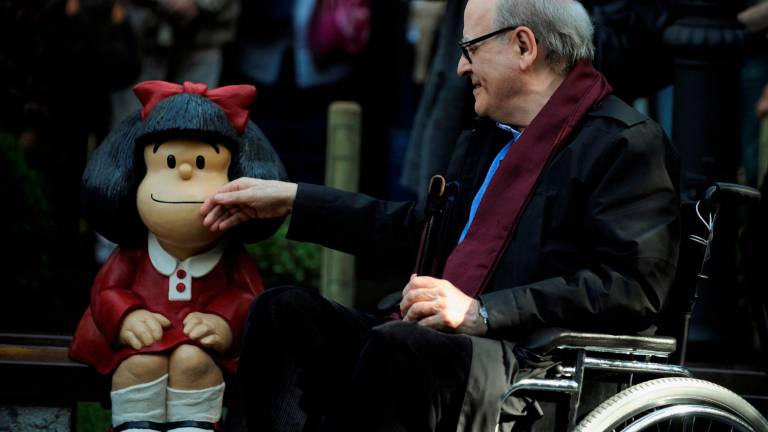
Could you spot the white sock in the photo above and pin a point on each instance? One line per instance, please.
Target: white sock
(199, 405)
(141, 402)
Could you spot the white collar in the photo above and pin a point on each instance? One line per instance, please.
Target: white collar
(197, 265)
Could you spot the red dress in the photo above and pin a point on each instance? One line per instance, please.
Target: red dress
(129, 281)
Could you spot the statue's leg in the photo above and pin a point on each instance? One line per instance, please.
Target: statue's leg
(139, 393)
(195, 391)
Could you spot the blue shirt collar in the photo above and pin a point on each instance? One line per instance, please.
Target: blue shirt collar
(510, 129)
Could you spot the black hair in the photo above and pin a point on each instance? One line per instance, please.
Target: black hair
(116, 168)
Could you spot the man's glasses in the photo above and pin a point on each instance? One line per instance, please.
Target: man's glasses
(464, 46)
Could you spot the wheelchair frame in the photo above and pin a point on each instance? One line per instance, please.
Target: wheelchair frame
(665, 398)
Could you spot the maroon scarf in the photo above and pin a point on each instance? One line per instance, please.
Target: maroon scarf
(472, 262)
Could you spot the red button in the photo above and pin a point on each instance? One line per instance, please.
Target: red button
(180, 287)
(181, 274)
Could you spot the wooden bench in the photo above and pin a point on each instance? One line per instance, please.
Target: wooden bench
(35, 369)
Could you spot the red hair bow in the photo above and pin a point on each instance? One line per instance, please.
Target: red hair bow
(234, 100)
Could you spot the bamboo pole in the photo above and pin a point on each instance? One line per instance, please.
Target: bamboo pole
(342, 171)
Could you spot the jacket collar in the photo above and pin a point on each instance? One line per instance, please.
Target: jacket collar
(198, 265)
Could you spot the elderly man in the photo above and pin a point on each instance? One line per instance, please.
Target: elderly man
(565, 214)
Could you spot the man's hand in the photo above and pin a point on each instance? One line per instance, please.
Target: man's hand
(247, 198)
(438, 304)
(141, 328)
(211, 330)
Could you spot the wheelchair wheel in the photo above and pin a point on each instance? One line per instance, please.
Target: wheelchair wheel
(674, 404)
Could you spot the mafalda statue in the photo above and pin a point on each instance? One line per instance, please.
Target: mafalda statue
(168, 308)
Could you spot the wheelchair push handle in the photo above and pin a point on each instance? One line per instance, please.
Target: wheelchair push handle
(729, 193)
(720, 193)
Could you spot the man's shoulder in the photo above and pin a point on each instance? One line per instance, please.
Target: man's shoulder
(613, 125)
(614, 108)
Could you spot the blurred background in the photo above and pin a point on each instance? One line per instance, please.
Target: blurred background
(698, 67)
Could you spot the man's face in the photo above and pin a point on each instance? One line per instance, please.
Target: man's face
(181, 174)
(493, 71)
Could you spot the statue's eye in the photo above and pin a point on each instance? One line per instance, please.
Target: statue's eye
(171, 160)
(200, 161)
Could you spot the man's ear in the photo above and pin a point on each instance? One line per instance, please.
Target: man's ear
(529, 48)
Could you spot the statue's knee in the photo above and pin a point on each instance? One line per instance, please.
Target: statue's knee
(190, 364)
(138, 369)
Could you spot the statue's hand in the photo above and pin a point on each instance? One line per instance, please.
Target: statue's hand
(141, 328)
(211, 330)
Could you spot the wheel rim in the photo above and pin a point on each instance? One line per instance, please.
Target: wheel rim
(644, 399)
(667, 414)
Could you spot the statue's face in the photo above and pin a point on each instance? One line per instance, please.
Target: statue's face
(181, 174)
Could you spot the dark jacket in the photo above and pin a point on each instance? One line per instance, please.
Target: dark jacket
(596, 247)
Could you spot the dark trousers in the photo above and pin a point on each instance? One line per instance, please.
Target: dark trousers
(309, 364)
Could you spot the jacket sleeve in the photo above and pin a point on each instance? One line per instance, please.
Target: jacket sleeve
(631, 227)
(233, 303)
(355, 223)
(111, 296)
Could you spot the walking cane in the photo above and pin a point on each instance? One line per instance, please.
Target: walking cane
(425, 258)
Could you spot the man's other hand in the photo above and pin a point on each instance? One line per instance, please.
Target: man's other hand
(438, 304)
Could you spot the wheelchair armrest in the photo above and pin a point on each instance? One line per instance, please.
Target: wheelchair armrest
(546, 340)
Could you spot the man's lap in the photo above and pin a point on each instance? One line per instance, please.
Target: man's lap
(393, 371)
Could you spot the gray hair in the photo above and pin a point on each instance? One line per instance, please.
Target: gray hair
(562, 27)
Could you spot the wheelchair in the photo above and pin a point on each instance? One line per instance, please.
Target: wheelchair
(659, 393)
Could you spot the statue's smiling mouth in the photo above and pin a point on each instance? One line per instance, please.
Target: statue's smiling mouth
(173, 202)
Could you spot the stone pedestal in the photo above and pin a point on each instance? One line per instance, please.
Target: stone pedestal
(34, 419)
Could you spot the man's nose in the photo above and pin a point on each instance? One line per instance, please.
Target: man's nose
(185, 171)
(464, 66)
